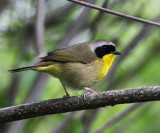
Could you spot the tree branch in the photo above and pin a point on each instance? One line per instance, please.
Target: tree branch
(75, 103)
(116, 13)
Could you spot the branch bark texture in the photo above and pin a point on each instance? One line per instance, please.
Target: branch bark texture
(76, 103)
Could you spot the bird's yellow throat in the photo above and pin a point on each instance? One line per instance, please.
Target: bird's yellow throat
(107, 62)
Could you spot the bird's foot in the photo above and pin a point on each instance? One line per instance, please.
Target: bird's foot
(89, 90)
(67, 95)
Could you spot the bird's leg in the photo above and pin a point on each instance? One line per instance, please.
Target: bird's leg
(89, 90)
(67, 94)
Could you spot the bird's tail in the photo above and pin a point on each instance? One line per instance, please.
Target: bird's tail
(37, 67)
(23, 69)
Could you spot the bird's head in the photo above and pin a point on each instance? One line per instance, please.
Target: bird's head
(103, 47)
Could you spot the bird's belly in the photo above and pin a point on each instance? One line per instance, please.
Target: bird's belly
(78, 75)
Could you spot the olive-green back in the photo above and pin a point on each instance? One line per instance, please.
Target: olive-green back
(76, 53)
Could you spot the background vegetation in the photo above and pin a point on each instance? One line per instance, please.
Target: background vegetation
(65, 24)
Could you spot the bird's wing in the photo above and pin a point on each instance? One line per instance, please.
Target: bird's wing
(71, 54)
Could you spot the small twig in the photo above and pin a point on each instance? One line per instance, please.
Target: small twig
(116, 13)
(61, 125)
(57, 17)
(76, 103)
(39, 26)
(89, 120)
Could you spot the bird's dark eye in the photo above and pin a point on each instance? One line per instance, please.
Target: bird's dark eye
(103, 50)
(104, 46)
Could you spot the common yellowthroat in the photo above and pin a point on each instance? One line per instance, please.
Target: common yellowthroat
(79, 66)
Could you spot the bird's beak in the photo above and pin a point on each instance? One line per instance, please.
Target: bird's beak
(116, 53)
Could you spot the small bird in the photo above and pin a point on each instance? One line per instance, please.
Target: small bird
(79, 66)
